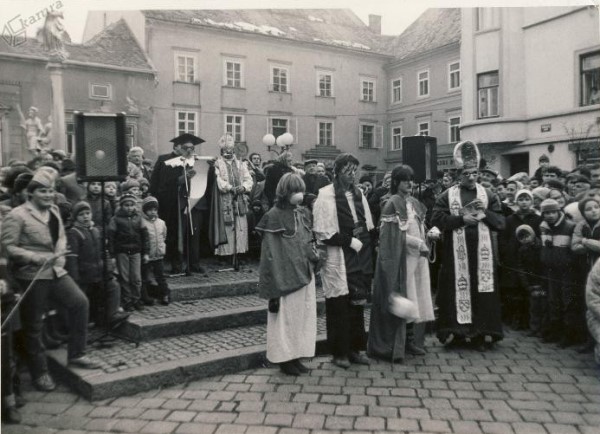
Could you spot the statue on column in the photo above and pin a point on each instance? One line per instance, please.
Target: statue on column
(53, 35)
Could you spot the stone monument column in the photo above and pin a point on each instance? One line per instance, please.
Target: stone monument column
(59, 138)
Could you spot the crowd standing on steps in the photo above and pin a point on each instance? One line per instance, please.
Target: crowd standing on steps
(468, 252)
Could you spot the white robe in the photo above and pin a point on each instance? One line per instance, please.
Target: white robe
(292, 332)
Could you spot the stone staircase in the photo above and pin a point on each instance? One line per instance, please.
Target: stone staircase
(215, 325)
(321, 153)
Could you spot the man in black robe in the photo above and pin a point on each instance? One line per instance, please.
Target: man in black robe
(469, 306)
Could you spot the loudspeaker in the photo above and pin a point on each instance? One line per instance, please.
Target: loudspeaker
(420, 153)
(100, 146)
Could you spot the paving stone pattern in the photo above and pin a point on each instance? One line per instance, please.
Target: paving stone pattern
(522, 386)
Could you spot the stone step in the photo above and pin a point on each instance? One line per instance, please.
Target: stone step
(214, 283)
(128, 369)
(200, 315)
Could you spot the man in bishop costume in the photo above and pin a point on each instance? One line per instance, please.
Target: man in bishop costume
(468, 295)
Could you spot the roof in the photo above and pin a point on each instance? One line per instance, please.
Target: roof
(435, 28)
(335, 27)
(113, 46)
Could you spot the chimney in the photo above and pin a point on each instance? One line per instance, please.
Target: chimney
(375, 23)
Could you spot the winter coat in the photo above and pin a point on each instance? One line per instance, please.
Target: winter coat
(584, 230)
(157, 234)
(556, 254)
(127, 234)
(85, 264)
(26, 238)
(592, 299)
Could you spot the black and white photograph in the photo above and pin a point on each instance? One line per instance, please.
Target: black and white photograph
(297, 217)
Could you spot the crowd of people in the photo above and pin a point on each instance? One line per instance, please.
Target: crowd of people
(472, 251)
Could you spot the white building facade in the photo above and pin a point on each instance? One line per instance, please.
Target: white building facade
(530, 79)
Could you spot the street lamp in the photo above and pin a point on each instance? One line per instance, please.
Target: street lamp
(284, 142)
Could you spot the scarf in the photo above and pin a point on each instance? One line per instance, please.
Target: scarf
(462, 279)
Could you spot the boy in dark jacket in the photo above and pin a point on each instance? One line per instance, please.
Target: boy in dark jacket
(94, 198)
(128, 241)
(85, 265)
(559, 269)
(514, 295)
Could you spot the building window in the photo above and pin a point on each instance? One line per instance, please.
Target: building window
(324, 84)
(396, 144)
(279, 126)
(396, 90)
(233, 73)
(185, 68)
(487, 18)
(454, 76)
(370, 136)
(367, 90)
(279, 79)
(423, 128)
(100, 91)
(234, 126)
(70, 133)
(423, 79)
(325, 134)
(186, 122)
(487, 94)
(454, 130)
(590, 79)
(130, 135)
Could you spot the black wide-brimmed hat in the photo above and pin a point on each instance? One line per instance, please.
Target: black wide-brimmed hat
(187, 138)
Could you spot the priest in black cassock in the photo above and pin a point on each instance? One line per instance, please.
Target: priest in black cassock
(468, 296)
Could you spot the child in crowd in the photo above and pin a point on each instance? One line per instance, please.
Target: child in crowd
(94, 198)
(144, 187)
(586, 237)
(85, 265)
(132, 186)
(529, 278)
(128, 242)
(157, 235)
(559, 267)
(515, 296)
(110, 193)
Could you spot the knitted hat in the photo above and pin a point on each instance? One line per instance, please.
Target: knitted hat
(143, 181)
(80, 206)
(130, 183)
(22, 181)
(523, 230)
(579, 178)
(583, 202)
(525, 192)
(127, 197)
(540, 192)
(149, 202)
(549, 205)
(544, 157)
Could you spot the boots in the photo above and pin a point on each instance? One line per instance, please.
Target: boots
(289, 368)
(145, 298)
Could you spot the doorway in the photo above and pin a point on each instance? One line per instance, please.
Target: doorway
(518, 162)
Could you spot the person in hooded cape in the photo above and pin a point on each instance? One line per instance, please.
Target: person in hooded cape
(402, 270)
(468, 295)
(287, 277)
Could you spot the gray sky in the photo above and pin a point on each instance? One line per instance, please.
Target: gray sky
(396, 14)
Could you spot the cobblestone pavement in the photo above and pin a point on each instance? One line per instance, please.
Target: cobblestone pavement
(248, 270)
(522, 386)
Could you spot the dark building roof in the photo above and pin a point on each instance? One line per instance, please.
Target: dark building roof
(336, 27)
(113, 46)
(433, 29)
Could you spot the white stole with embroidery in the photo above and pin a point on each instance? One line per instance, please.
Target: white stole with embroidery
(462, 279)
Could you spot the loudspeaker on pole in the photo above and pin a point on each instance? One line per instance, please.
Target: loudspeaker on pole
(100, 147)
(420, 153)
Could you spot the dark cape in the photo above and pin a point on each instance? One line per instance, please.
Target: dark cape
(486, 319)
(387, 332)
(286, 251)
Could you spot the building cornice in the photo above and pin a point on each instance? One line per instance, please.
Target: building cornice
(77, 63)
(556, 17)
(420, 56)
